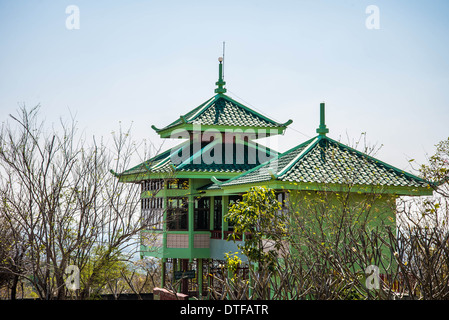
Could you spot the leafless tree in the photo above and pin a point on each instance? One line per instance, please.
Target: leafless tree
(61, 204)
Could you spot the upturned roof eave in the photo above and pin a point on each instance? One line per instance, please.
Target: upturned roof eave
(186, 121)
(161, 166)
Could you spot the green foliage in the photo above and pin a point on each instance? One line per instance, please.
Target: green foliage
(233, 263)
(104, 265)
(438, 167)
(257, 215)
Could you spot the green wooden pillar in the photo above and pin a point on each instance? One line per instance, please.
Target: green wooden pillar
(211, 213)
(209, 279)
(191, 221)
(164, 225)
(177, 268)
(230, 275)
(184, 281)
(200, 278)
(163, 270)
(224, 211)
(250, 279)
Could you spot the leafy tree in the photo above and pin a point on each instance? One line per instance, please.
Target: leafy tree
(326, 239)
(437, 168)
(258, 217)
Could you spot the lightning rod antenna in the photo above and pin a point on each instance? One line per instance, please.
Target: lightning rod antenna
(223, 56)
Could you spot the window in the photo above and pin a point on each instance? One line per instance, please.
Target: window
(178, 184)
(217, 212)
(152, 212)
(202, 213)
(152, 185)
(281, 198)
(177, 214)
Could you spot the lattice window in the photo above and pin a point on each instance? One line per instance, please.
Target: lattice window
(177, 213)
(152, 212)
(202, 213)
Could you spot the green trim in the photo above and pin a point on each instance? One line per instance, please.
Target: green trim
(299, 156)
(137, 177)
(314, 186)
(195, 113)
(188, 114)
(216, 181)
(256, 113)
(191, 215)
(269, 161)
(166, 193)
(268, 131)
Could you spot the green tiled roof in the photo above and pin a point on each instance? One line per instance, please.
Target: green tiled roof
(326, 161)
(222, 110)
(184, 158)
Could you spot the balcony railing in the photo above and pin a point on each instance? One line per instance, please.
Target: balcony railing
(215, 234)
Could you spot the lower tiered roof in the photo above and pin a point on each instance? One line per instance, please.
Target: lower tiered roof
(324, 161)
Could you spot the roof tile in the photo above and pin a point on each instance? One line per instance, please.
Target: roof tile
(323, 160)
(223, 110)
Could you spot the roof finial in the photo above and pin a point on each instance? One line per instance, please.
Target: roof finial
(220, 83)
(322, 129)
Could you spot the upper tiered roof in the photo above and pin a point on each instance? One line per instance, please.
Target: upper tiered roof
(229, 153)
(222, 113)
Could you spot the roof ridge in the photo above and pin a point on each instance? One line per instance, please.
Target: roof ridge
(202, 108)
(241, 105)
(300, 155)
(267, 162)
(377, 161)
(194, 110)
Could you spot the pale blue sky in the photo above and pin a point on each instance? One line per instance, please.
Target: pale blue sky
(148, 62)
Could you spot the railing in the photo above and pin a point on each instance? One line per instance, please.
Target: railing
(217, 234)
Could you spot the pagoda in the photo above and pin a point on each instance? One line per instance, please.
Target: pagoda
(185, 221)
(187, 190)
